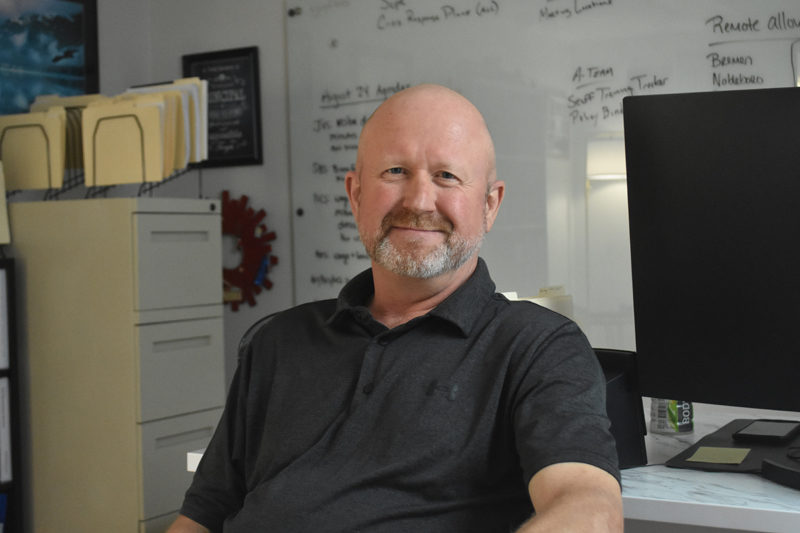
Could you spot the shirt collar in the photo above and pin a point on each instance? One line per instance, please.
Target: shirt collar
(462, 308)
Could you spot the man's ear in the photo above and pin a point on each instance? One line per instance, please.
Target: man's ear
(352, 184)
(493, 201)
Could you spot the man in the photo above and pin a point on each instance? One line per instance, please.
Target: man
(420, 400)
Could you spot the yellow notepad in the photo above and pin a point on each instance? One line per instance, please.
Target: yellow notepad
(719, 455)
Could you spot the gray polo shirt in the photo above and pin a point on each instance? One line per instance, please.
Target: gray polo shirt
(335, 423)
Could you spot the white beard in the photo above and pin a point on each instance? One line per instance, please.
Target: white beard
(448, 256)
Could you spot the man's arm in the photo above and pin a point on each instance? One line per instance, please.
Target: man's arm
(574, 497)
(186, 525)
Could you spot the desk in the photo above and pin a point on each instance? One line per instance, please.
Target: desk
(742, 502)
(193, 459)
(656, 494)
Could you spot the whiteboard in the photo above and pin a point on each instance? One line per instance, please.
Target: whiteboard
(549, 76)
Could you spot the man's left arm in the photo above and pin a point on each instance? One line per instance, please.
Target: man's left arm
(574, 497)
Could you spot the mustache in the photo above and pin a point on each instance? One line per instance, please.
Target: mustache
(408, 219)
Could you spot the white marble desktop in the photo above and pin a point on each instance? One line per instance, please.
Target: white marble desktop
(192, 460)
(745, 502)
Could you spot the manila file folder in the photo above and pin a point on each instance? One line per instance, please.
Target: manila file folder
(5, 229)
(200, 94)
(122, 143)
(194, 113)
(170, 103)
(182, 134)
(73, 105)
(32, 149)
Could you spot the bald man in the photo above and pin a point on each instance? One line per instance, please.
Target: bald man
(420, 399)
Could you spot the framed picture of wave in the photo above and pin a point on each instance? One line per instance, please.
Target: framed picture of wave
(46, 47)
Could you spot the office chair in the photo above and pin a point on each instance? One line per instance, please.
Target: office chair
(624, 405)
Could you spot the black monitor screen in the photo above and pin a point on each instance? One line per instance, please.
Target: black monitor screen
(714, 212)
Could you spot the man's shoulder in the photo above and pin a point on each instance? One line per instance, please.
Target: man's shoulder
(524, 313)
(531, 328)
(318, 308)
(289, 322)
(313, 313)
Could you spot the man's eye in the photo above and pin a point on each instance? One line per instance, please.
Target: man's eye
(447, 175)
(395, 170)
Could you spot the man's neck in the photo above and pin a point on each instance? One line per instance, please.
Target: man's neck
(398, 299)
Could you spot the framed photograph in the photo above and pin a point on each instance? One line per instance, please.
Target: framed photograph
(234, 110)
(46, 47)
(6, 316)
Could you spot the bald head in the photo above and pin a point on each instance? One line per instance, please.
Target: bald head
(424, 192)
(432, 107)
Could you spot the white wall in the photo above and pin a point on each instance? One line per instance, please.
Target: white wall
(142, 42)
(123, 34)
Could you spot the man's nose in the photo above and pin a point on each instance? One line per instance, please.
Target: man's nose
(420, 193)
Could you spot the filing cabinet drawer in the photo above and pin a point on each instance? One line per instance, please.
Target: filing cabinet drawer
(165, 444)
(181, 367)
(178, 259)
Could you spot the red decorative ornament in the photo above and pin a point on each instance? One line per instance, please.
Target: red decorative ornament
(244, 281)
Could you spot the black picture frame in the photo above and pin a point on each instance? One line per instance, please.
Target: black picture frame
(57, 56)
(11, 492)
(234, 104)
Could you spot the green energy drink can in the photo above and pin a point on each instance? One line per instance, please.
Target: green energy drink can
(671, 416)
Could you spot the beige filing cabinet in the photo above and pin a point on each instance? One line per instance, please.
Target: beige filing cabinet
(121, 325)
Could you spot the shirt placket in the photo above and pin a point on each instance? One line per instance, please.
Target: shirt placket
(369, 377)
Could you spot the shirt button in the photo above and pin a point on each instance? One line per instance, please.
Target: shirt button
(368, 388)
(383, 341)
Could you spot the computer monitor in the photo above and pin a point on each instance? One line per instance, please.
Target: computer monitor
(714, 212)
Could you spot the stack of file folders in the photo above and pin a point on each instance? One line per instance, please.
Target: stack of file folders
(145, 134)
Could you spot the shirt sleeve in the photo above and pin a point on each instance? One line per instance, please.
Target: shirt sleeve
(559, 410)
(218, 487)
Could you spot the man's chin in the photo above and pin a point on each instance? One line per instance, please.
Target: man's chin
(417, 251)
(410, 241)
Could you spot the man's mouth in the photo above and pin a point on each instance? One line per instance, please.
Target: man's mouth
(412, 222)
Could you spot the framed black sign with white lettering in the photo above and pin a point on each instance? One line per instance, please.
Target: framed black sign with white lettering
(234, 110)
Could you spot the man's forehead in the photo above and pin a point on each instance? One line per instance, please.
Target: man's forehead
(442, 116)
(433, 124)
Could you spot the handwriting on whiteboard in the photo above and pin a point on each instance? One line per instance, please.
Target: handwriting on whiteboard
(733, 61)
(565, 9)
(359, 94)
(597, 94)
(739, 57)
(395, 14)
(335, 125)
(779, 22)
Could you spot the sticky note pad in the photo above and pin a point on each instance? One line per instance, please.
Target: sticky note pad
(718, 455)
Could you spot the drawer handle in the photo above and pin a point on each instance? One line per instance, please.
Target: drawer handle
(168, 441)
(175, 345)
(178, 236)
